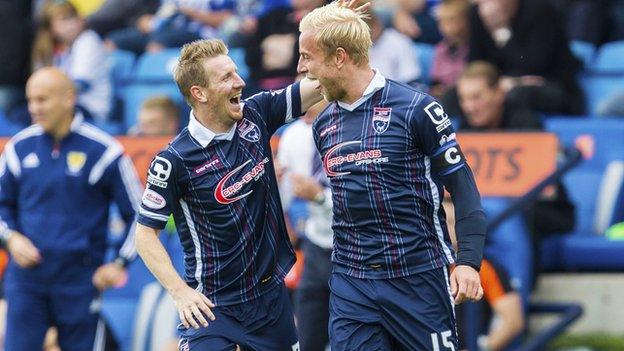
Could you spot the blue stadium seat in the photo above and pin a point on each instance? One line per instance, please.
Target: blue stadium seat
(607, 133)
(582, 253)
(7, 128)
(134, 95)
(598, 88)
(509, 245)
(584, 51)
(238, 56)
(121, 64)
(584, 248)
(609, 58)
(157, 67)
(583, 185)
(425, 58)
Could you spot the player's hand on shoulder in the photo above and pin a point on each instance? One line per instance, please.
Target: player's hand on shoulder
(109, 275)
(22, 250)
(466, 284)
(193, 307)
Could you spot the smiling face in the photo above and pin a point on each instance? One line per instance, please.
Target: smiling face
(316, 65)
(223, 93)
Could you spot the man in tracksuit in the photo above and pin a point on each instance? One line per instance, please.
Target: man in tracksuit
(57, 180)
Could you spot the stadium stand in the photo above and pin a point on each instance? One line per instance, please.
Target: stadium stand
(583, 51)
(586, 249)
(425, 57)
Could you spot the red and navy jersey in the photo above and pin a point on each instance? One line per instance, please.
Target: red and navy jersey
(384, 156)
(222, 192)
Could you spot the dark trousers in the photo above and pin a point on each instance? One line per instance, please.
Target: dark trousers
(312, 298)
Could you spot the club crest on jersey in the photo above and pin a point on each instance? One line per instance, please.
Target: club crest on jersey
(226, 195)
(381, 118)
(248, 130)
(75, 161)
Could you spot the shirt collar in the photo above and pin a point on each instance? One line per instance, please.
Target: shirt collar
(377, 83)
(76, 122)
(204, 135)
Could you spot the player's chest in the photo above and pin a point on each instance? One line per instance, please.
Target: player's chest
(353, 143)
(225, 174)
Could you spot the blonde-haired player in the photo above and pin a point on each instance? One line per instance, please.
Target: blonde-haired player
(389, 151)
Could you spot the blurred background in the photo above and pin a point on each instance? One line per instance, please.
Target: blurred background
(535, 90)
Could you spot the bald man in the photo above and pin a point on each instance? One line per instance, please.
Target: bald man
(57, 180)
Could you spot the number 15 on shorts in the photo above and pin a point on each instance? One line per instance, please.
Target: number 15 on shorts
(446, 343)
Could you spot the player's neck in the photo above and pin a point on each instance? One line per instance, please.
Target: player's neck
(360, 79)
(62, 129)
(209, 120)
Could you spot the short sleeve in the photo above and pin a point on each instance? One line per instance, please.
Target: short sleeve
(277, 107)
(160, 192)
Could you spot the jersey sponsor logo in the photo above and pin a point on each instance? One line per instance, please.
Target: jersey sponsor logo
(159, 172)
(153, 200)
(226, 195)
(31, 161)
(248, 130)
(452, 155)
(75, 161)
(437, 115)
(204, 167)
(359, 158)
(328, 130)
(381, 119)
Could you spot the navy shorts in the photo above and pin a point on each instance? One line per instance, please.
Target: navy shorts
(263, 324)
(408, 313)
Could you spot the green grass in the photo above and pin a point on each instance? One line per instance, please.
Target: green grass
(597, 342)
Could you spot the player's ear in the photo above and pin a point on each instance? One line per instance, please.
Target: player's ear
(198, 93)
(340, 57)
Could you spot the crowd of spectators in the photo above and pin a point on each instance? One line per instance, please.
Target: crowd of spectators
(497, 64)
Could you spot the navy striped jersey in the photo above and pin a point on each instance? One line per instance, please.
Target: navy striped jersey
(222, 191)
(380, 156)
(58, 195)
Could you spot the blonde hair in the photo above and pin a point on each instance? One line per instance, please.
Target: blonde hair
(483, 70)
(162, 103)
(190, 69)
(42, 53)
(335, 26)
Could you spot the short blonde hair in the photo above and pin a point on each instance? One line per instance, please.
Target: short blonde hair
(162, 103)
(190, 69)
(483, 70)
(335, 26)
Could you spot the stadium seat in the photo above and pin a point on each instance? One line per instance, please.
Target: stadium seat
(238, 56)
(607, 133)
(583, 51)
(121, 65)
(134, 95)
(509, 245)
(425, 58)
(610, 204)
(7, 128)
(609, 58)
(157, 67)
(598, 88)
